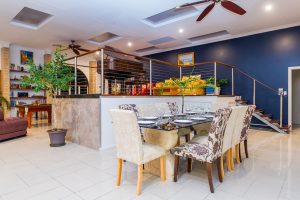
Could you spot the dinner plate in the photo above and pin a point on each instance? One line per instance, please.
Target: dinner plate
(208, 116)
(191, 113)
(180, 115)
(183, 121)
(146, 122)
(198, 118)
(167, 115)
(150, 118)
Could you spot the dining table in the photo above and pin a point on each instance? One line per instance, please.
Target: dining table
(164, 132)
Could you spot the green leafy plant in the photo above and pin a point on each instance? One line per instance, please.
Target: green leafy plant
(3, 102)
(54, 76)
(220, 82)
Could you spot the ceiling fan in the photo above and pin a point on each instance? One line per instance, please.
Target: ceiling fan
(229, 5)
(75, 47)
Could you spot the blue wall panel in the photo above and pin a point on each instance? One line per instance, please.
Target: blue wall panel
(265, 56)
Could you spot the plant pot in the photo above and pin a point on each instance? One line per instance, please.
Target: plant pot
(209, 90)
(217, 91)
(57, 137)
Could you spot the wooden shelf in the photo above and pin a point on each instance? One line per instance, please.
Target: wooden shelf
(19, 71)
(38, 97)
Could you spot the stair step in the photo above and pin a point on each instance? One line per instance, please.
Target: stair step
(267, 116)
(258, 110)
(275, 121)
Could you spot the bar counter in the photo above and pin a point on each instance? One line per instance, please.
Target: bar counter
(88, 120)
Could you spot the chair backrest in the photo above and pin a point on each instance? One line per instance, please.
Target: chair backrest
(173, 107)
(129, 107)
(231, 123)
(1, 115)
(239, 123)
(247, 121)
(216, 133)
(146, 110)
(128, 137)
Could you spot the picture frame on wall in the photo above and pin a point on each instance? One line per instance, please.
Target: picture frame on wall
(186, 59)
(26, 56)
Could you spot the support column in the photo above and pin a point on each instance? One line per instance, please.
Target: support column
(5, 78)
(47, 59)
(92, 77)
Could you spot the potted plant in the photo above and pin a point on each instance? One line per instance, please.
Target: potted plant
(3, 102)
(220, 84)
(52, 77)
(210, 86)
(212, 89)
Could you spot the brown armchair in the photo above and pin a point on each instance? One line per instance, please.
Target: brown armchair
(12, 127)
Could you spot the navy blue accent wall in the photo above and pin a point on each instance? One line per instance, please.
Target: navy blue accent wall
(265, 56)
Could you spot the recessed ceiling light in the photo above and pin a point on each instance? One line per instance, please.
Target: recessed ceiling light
(180, 30)
(98, 52)
(269, 7)
(129, 44)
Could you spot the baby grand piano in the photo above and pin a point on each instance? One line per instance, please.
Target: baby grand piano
(123, 75)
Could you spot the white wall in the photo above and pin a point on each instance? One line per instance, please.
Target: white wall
(296, 96)
(15, 58)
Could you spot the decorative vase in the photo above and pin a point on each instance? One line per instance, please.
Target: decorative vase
(209, 90)
(57, 137)
(217, 91)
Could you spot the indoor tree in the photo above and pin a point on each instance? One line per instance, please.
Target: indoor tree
(52, 77)
(3, 102)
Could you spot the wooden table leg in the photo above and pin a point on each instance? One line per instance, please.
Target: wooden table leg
(29, 116)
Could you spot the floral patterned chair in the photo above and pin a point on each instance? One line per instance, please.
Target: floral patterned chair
(209, 152)
(130, 146)
(246, 126)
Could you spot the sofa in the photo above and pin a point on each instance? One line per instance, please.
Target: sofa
(12, 127)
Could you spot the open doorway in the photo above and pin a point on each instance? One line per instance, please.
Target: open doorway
(294, 96)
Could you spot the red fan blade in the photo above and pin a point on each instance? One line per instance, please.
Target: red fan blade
(81, 49)
(233, 7)
(76, 51)
(206, 11)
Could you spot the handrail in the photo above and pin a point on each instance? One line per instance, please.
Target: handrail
(254, 79)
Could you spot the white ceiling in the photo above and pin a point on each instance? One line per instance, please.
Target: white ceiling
(83, 19)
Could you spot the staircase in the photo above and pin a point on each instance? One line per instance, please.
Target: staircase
(266, 119)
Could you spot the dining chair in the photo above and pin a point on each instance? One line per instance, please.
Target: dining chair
(130, 147)
(209, 152)
(182, 132)
(132, 107)
(245, 130)
(236, 137)
(228, 134)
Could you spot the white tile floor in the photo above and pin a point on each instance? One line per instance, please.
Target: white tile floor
(30, 169)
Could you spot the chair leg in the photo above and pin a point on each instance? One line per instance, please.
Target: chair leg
(209, 174)
(240, 155)
(222, 167)
(237, 153)
(163, 168)
(231, 160)
(228, 160)
(246, 148)
(176, 165)
(187, 138)
(120, 163)
(189, 166)
(140, 180)
(219, 160)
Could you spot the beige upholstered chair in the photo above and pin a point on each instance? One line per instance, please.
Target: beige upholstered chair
(130, 147)
(237, 134)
